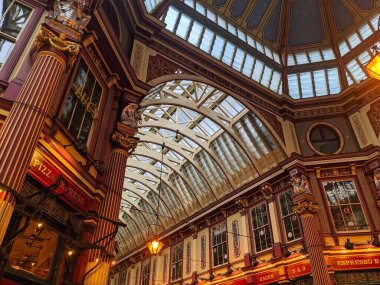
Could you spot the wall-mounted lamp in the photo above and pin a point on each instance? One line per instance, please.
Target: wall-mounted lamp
(375, 241)
(98, 165)
(287, 253)
(255, 262)
(348, 244)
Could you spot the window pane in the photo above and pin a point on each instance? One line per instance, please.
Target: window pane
(81, 107)
(345, 206)
(34, 251)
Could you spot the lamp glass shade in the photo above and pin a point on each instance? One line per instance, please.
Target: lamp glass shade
(373, 67)
(154, 247)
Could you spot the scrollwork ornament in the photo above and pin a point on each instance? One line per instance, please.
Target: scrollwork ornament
(127, 142)
(305, 207)
(47, 37)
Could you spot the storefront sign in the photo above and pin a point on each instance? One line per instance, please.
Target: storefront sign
(299, 269)
(44, 172)
(267, 277)
(356, 262)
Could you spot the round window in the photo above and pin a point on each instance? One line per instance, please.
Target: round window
(325, 139)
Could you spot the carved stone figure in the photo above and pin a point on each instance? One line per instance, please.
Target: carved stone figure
(131, 115)
(71, 13)
(376, 178)
(300, 184)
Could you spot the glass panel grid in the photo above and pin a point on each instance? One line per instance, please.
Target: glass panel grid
(345, 206)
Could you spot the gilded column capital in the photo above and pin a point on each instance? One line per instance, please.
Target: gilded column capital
(305, 207)
(127, 142)
(45, 37)
(304, 203)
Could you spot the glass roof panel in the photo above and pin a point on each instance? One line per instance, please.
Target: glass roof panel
(212, 153)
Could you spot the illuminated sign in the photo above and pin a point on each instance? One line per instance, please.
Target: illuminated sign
(356, 262)
(44, 172)
(267, 277)
(298, 269)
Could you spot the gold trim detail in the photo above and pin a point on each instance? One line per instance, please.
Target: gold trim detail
(125, 141)
(305, 207)
(47, 37)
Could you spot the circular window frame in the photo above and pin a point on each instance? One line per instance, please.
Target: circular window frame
(335, 129)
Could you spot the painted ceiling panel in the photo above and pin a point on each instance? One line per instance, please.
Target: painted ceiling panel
(343, 17)
(257, 13)
(238, 8)
(365, 4)
(272, 27)
(306, 25)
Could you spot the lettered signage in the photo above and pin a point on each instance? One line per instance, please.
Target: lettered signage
(356, 262)
(267, 277)
(46, 173)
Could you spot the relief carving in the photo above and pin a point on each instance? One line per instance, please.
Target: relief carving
(71, 13)
(300, 184)
(356, 124)
(374, 116)
(131, 115)
(160, 66)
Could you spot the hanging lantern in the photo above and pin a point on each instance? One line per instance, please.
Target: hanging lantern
(373, 67)
(154, 246)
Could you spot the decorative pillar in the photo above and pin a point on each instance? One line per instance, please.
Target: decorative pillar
(21, 129)
(266, 189)
(306, 207)
(98, 266)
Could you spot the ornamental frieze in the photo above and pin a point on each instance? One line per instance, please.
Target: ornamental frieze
(318, 112)
(159, 66)
(374, 116)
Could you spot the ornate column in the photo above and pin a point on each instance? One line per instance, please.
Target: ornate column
(98, 266)
(306, 207)
(21, 129)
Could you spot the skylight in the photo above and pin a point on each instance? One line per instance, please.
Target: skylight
(212, 147)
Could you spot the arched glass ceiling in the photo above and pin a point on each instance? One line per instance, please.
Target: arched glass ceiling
(311, 72)
(212, 145)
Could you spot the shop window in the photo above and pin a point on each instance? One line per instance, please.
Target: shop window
(145, 274)
(345, 206)
(33, 252)
(82, 105)
(325, 139)
(261, 227)
(289, 219)
(14, 17)
(177, 262)
(219, 244)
